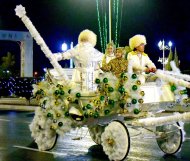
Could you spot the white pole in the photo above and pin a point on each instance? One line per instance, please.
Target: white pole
(163, 48)
(110, 39)
(21, 13)
(71, 60)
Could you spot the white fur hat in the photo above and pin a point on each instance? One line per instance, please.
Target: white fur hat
(137, 40)
(87, 36)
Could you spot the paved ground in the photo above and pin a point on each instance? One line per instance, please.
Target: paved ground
(16, 144)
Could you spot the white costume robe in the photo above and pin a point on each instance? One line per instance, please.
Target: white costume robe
(140, 61)
(86, 60)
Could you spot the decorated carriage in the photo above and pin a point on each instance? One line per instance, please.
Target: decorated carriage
(108, 105)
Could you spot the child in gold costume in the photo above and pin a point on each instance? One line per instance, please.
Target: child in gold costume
(117, 65)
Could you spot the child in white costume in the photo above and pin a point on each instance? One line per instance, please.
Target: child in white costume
(86, 58)
(109, 53)
(140, 60)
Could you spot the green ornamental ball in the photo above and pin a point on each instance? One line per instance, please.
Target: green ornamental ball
(102, 98)
(49, 115)
(134, 87)
(121, 89)
(97, 81)
(106, 112)
(78, 95)
(136, 111)
(96, 115)
(134, 76)
(110, 89)
(86, 115)
(88, 106)
(111, 102)
(60, 124)
(105, 80)
(134, 101)
(66, 114)
(56, 92)
(173, 88)
(61, 92)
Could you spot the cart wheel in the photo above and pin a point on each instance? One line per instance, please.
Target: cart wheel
(52, 142)
(116, 141)
(96, 132)
(170, 138)
(45, 138)
(47, 144)
(50, 147)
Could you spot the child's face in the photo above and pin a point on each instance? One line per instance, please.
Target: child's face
(118, 54)
(110, 49)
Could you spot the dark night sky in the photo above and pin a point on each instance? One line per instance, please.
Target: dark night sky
(62, 20)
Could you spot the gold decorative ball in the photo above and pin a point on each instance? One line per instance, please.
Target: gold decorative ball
(185, 100)
(141, 100)
(138, 82)
(142, 93)
(69, 99)
(58, 114)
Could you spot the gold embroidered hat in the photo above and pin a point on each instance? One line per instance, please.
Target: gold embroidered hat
(120, 49)
(137, 40)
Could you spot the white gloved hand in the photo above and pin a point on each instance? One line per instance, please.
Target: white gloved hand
(58, 56)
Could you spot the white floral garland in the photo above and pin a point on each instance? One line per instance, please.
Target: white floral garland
(168, 78)
(156, 121)
(178, 75)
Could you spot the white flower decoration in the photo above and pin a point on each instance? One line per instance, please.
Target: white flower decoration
(20, 11)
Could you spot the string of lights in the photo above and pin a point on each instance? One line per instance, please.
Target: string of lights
(121, 17)
(99, 24)
(102, 21)
(116, 25)
(106, 30)
(18, 87)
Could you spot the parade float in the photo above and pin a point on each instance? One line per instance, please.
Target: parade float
(108, 105)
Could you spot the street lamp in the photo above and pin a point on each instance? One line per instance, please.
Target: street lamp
(164, 47)
(64, 48)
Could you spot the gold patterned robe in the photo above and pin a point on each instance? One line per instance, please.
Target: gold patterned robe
(116, 66)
